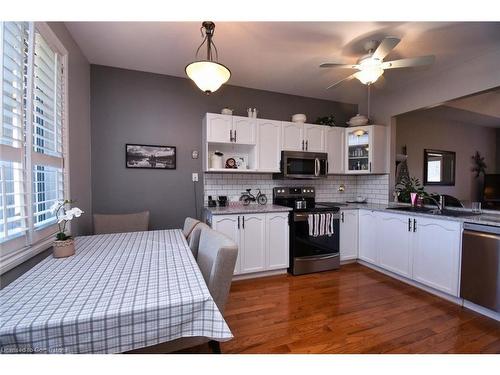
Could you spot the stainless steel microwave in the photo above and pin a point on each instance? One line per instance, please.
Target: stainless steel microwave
(303, 165)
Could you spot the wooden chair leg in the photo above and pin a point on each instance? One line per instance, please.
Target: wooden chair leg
(215, 346)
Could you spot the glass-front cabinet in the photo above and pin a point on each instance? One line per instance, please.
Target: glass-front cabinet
(358, 142)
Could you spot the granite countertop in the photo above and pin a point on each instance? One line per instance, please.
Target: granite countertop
(252, 208)
(486, 218)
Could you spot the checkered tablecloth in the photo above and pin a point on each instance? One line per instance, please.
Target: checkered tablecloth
(117, 293)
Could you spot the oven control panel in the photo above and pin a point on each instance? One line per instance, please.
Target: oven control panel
(293, 192)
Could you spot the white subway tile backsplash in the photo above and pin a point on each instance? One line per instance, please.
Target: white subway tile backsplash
(373, 187)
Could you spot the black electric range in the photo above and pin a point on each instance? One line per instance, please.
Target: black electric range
(309, 253)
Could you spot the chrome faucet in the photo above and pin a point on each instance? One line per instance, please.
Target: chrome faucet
(440, 205)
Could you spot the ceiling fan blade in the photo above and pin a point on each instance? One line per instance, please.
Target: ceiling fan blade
(348, 78)
(335, 65)
(409, 62)
(386, 46)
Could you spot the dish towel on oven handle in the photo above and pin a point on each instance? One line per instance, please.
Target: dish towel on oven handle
(320, 224)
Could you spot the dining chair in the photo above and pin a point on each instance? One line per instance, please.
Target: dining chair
(194, 238)
(189, 224)
(121, 223)
(216, 259)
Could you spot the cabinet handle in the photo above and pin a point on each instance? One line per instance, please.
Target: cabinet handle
(414, 225)
(327, 167)
(243, 222)
(307, 145)
(235, 135)
(230, 135)
(370, 166)
(302, 145)
(409, 225)
(342, 216)
(238, 222)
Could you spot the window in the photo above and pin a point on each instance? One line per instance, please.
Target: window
(439, 167)
(32, 135)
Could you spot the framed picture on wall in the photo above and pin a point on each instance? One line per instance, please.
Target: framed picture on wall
(150, 156)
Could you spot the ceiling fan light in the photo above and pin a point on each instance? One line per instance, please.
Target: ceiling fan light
(208, 75)
(369, 75)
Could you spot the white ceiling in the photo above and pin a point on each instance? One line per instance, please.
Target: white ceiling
(284, 56)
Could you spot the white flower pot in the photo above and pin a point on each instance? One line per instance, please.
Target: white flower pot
(63, 249)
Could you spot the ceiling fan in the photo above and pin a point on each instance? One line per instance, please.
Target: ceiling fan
(372, 65)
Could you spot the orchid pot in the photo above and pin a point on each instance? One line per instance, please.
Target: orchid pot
(64, 246)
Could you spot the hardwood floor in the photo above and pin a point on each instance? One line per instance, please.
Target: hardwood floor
(353, 310)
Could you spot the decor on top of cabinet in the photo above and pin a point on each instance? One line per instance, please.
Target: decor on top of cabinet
(299, 118)
(227, 111)
(358, 120)
(327, 120)
(150, 156)
(64, 246)
(252, 113)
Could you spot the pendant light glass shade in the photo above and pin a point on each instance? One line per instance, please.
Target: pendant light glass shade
(208, 75)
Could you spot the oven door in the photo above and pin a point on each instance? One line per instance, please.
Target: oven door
(305, 245)
(307, 165)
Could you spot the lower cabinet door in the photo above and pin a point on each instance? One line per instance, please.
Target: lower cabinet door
(436, 254)
(277, 242)
(253, 231)
(393, 241)
(368, 236)
(349, 234)
(228, 224)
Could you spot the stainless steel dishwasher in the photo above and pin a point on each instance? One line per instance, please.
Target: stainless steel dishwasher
(480, 279)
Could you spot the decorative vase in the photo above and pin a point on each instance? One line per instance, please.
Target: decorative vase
(63, 249)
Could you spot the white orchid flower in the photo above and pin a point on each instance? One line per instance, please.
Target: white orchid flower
(55, 206)
(75, 211)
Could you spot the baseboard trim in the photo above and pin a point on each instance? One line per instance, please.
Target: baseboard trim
(481, 310)
(259, 274)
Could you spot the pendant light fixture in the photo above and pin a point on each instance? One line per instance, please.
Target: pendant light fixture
(208, 74)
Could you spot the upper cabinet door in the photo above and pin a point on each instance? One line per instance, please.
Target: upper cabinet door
(244, 130)
(219, 128)
(358, 149)
(314, 136)
(292, 137)
(268, 145)
(335, 150)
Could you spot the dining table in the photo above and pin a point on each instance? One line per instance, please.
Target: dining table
(119, 292)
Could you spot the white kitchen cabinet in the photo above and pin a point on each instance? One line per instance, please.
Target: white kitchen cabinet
(436, 253)
(219, 128)
(292, 136)
(277, 241)
(365, 149)
(253, 241)
(244, 130)
(262, 239)
(394, 243)
(348, 234)
(268, 145)
(230, 226)
(230, 129)
(335, 139)
(314, 137)
(368, 233)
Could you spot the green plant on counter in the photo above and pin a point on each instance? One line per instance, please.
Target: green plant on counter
(327, 120)
(408, 186)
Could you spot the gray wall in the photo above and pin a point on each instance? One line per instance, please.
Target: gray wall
(431, 129)
(79, 144)
(498, 151)
(136, 107)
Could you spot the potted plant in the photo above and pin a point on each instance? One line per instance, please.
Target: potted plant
(407, 186)
(64, 246)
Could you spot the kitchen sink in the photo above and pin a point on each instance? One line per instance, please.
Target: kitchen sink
(433, 211)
